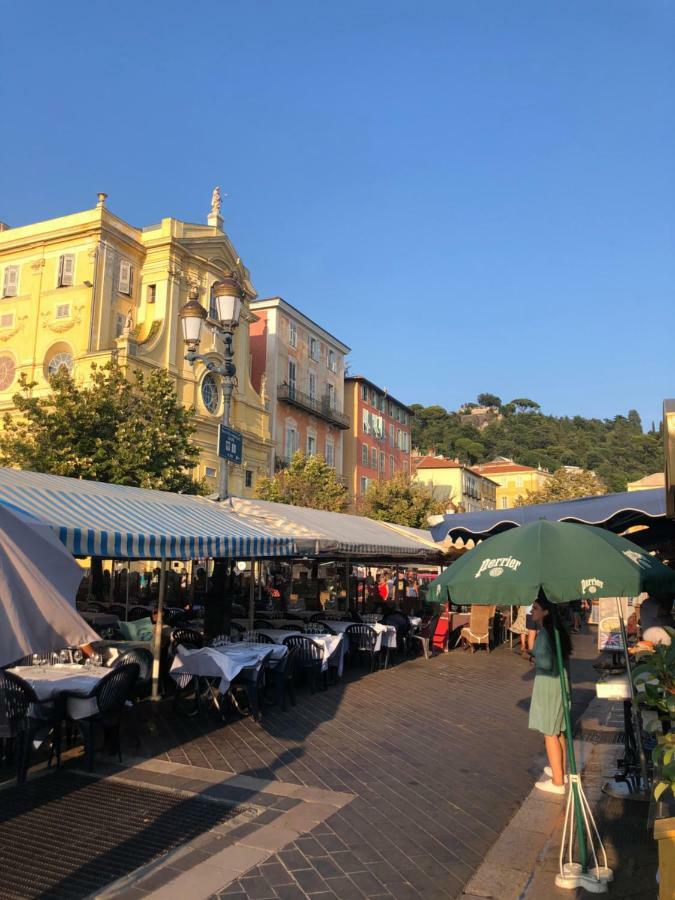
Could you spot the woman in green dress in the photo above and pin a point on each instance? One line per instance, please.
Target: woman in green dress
(546, 707)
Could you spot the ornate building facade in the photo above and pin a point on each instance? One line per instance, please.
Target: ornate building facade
(85, 287)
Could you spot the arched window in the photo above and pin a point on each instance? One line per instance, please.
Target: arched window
(210, 394)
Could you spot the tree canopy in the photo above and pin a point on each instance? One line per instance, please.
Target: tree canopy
(617, 449)
(308, 481)
(565, 485)
(125, 430)
(401, 501)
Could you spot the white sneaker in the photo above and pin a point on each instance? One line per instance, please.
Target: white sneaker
(548, 786)
(549, 771)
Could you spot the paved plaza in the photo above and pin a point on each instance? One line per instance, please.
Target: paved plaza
(435, 756)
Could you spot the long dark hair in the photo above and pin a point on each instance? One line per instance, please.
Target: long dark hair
(554, 620)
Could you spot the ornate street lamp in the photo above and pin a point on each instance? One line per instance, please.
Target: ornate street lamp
(227, 298)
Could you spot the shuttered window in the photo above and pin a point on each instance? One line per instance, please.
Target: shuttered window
(66, 270)
(126, 277)
(10, 283)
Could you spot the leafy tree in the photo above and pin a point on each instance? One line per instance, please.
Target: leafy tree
(565, 485)
(616, 448)
(308, 481)
(489, 400)
(125, 430)
(401, 501)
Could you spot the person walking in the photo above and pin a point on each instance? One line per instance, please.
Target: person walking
(546, 706)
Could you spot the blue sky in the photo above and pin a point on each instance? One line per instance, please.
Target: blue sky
(475, 196)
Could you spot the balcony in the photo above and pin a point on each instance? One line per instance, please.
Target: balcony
(320, 408)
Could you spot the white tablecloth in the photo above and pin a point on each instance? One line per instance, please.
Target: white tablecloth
(333, 645)
(224, 662)
(50, 681)
(386, 634)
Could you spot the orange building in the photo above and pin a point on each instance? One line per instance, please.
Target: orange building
(377, 446)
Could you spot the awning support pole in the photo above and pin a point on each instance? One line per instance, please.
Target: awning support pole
(251, 597)
(157, 634)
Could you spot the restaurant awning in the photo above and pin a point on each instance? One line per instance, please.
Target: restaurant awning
(340, 534)
(115, 521)
(617, 512)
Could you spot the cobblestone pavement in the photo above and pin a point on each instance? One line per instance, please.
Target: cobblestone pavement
(437, 754)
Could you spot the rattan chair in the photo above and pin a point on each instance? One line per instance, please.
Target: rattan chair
(111, 695)
(362, 640)
(479, 630)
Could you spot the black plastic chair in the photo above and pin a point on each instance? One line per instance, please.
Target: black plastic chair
(280, 679)
(309, 658)
(262, 623)
(403, 628)
(252, 680)
(190, 639)
(18, 728)
(362, 639)
(235, 626)
(111, 695)
(318, 628)
(257, 637)
(143, 660)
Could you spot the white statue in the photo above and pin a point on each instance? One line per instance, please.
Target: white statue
(216, 201)
(128, 324)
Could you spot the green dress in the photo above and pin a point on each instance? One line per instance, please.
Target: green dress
(546, 708)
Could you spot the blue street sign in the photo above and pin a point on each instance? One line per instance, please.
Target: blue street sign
(230, 443)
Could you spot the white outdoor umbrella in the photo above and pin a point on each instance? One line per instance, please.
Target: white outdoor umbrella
(38, 584)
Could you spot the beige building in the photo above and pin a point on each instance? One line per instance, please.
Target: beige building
(459, 486)
(513, 480)
(81, 288)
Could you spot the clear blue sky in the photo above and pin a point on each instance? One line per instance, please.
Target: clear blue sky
(475, 196)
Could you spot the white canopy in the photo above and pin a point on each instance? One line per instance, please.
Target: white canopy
(338, 533)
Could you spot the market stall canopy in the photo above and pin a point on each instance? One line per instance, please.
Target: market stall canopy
(616, 512)
(340, 534)
(115, 521)
(38, 583)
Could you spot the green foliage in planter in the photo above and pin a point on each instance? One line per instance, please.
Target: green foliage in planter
(657, 670)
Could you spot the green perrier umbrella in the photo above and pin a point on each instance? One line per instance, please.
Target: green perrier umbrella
(565, 561)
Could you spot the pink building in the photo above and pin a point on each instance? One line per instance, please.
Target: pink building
(299, 369)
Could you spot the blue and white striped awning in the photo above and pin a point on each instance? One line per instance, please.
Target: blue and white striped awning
(114, 521)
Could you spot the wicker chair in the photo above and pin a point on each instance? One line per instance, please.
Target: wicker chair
(309, 658)
(479, 630)
(111, 694)
(362, 639)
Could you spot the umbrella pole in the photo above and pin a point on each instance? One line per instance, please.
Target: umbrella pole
(581, 834)
(157, 634)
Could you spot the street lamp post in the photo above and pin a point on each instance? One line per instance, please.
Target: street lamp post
(227, 296)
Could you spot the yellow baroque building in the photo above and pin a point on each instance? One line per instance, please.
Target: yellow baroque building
(81, 288)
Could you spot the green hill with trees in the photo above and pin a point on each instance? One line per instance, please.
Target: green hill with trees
(617, 449)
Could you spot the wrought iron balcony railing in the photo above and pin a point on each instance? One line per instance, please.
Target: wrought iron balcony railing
(313, 405)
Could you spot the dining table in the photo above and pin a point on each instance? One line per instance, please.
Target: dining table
(224, 662)
(332, 645)
(71, 681)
